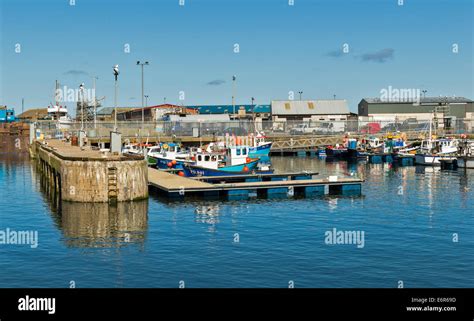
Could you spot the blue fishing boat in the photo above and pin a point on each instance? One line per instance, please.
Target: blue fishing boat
(262, 150)
(235, 161)
(242, 169)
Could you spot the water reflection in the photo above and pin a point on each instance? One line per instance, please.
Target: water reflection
(95, 225)
(102, 224)
(208, 214)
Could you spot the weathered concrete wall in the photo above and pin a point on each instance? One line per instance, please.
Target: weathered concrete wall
(96, 180)
(14, 141)
(88, 181)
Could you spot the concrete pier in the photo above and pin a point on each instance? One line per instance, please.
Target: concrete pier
(89, 175)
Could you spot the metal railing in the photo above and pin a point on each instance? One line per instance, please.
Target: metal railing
(276, 129)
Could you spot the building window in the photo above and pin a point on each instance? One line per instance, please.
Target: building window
(311, 105)
(287, 106)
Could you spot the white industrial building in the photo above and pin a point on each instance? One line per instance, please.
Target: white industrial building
(311, 110)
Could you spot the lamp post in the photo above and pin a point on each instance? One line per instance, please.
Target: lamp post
(142, 64)
(146, 100)
(301, 93)
(233, 94)
(81, 90)
(424, 91)
(116, 73)
(253, 113)
(94, 78)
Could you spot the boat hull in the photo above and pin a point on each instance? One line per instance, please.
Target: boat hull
(431, 160)
(193, 170)
(260, 151)
(356, 154)
(336, 153)
(427, 160)
(162, 163)
(465, 162)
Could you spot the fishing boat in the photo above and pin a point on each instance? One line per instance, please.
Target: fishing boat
(58, 112)
(336, 152)
(465, 154)
(171, 156)
(260, 147)
(235, 162)
(355, 153)
(431, 151)
(191, 170)
(135, 149)
(152, 153)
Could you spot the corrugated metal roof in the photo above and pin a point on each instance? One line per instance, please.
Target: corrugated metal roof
(199, 118)
(423, 100)
(310, 107)
(228, 109)
(110, 110)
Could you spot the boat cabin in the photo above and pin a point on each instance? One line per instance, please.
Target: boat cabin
(237, 155)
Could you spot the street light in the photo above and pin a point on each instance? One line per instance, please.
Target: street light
(143, 90)
(424, 91)
(253, 112)
(146, 100)
(81, 90)
(301, 93)
(94, 78)
(233, 94)
(116, 73)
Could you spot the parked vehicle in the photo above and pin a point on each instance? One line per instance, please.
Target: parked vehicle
(314, 128)
(391, 128)
(370, 128)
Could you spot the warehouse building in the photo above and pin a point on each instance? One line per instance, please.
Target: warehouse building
(155, 113)
(311, 110)
(107, 114)
(445, 107)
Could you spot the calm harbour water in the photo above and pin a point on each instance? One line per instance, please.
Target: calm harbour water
(408, 216)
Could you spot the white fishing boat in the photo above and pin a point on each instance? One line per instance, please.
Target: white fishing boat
(465, 153)
(431, 151)
(59, 113)
(169, 155)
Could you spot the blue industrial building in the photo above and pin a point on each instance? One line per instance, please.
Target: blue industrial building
(229, 109)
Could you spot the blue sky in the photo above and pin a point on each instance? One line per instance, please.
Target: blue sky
(191, 48)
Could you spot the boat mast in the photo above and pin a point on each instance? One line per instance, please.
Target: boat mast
(56, 104)
(431, 124)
